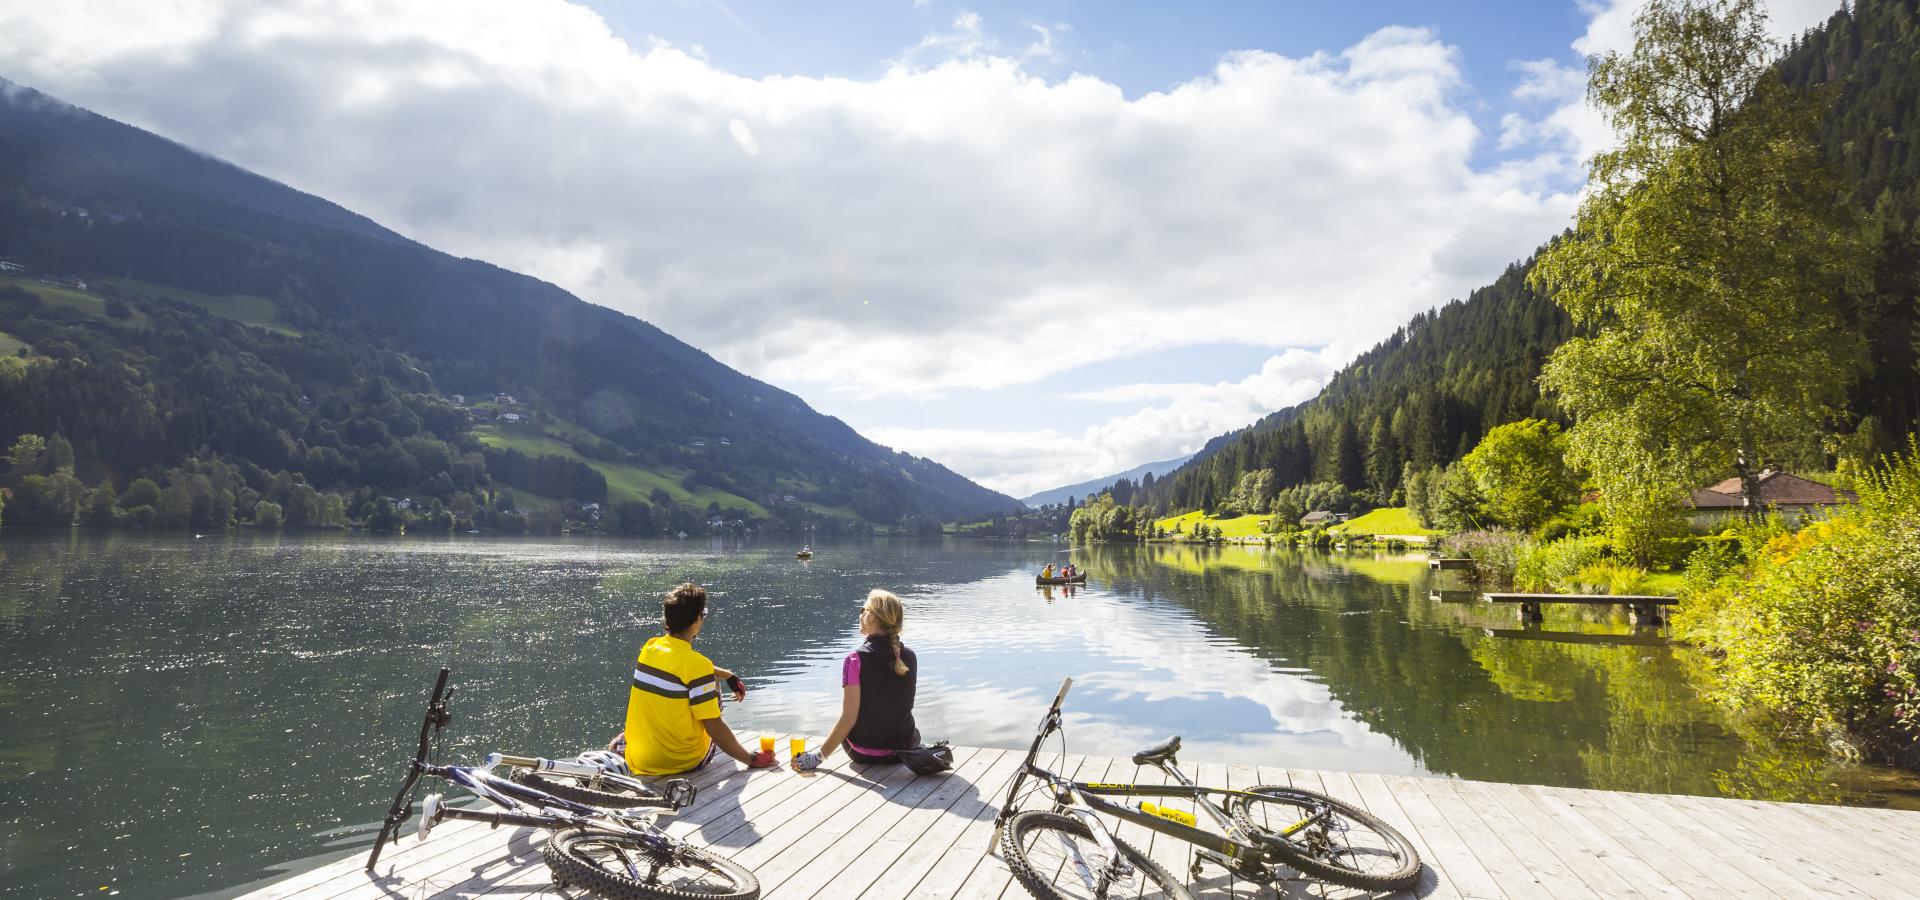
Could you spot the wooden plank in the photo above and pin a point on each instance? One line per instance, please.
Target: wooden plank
(1525, 838)
(1500, 849)
(1449, 853)
(828, 848)
(1588, 599)
(1895, 848)
(1581, 860)
(1434, 881)
(1592, 839)
(928, 847)
(878, 852)
(1659, 835)
(1758, 863)
(1513, 875)
(1875, 873)
(1789, 857)
(1676, 865)
(826, 797)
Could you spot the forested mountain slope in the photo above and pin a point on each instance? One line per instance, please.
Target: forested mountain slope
(1429, 393)
(206, 313)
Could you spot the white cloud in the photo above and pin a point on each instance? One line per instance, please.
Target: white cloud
(1023, 462)
(914, 233)
(743, 137)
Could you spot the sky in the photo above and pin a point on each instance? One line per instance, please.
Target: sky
(1038, 242)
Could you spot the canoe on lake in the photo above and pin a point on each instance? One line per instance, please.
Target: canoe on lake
(1077, 579)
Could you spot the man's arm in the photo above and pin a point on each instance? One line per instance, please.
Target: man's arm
(722, 735)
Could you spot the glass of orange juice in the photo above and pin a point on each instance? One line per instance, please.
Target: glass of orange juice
(766, 742)
(797, 744)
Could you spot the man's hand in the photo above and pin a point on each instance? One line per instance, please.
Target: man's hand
(733, 681)
(761, 760)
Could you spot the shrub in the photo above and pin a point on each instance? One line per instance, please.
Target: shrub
(1605, 577)
(1553, 566)
(1495, 552)
(1825, 623)
(1582, 519)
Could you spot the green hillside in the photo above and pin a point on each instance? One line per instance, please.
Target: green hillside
(238, 342)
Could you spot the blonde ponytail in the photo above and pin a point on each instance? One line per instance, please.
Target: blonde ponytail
(889, 615)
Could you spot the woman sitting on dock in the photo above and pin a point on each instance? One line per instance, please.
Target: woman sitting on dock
(877, 684)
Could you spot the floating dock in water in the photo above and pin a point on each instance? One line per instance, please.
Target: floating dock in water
(882, 832)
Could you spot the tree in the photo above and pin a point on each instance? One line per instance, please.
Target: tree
(28, 456)
(100, 506)
(1521, 470)
(1705, 265)
(142, 492)
(266, 515)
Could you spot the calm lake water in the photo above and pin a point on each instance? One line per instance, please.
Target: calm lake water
(191, 717)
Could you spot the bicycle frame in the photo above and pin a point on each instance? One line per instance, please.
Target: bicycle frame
(1246, 854)
(520, 805)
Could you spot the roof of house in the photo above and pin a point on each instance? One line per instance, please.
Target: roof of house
(1776, 489)
(1318, 515)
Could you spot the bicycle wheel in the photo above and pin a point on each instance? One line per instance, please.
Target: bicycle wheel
(1343, 845)
(606, 795)
(623, 867)
(1054, 856)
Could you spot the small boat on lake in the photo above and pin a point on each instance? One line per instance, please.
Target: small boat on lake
(1080, 578)
(804, 553)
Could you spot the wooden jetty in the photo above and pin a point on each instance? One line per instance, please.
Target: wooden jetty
(1449, 564)
(882, 832)
(1638, 638)
(1646, 609)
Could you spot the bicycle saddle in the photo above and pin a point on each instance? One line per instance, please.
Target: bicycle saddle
(1158, 752)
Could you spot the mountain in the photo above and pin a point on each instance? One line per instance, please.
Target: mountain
(1426, 395)
(181, 312)
(1095, 486)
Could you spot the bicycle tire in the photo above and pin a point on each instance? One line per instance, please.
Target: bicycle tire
(573, 787)
(1403, 873)
(588, 858)
(1039, 881)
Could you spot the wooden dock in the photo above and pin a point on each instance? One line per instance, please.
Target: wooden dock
(881, 833)
(1646, 609)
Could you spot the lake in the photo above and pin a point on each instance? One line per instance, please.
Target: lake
(194, 716)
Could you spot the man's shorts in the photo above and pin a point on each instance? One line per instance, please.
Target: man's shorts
(614, 758)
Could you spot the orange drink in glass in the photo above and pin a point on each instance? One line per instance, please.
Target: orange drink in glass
(766, 742)
(797, 744)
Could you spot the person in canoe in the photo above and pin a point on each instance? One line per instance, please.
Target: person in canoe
(1047, 572)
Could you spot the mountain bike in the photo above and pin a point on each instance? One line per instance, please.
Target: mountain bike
(1067, 851)
(616, 852)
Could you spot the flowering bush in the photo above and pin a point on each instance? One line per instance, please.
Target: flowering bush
(1824, 623)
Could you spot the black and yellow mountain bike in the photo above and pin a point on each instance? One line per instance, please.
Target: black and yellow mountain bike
(1067, 851)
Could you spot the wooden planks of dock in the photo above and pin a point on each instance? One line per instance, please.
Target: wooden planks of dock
(882, 832)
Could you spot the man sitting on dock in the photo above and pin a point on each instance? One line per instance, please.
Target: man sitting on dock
(673, 709)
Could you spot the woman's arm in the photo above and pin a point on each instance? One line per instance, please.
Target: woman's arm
(849, 711)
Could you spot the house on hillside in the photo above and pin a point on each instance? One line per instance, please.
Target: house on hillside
(8, 265)
(1795, 498)
(505, 400)
(511, 417)
(458, 399)
(1318, 517)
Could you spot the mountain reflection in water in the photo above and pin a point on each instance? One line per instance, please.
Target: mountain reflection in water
(200, 714)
